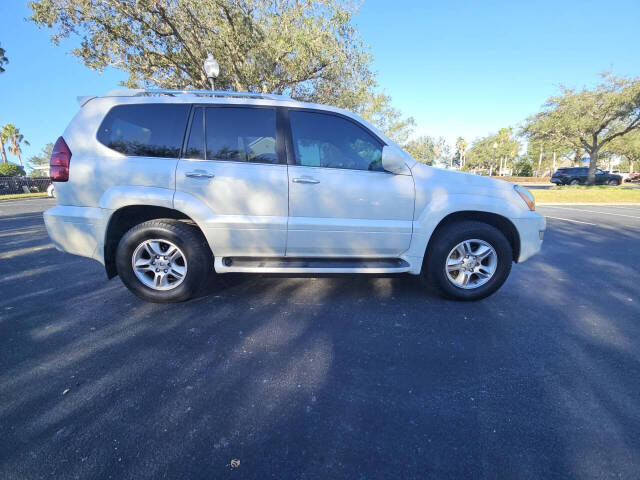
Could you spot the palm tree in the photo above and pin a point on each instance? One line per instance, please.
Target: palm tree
(461, 147)
(3, 140)
(12, 135)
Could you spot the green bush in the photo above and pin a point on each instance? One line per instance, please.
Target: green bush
(522, 168)
(11, 170)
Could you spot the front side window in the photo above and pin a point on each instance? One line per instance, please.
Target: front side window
(240, 134)
(321, 140)
(145, 130)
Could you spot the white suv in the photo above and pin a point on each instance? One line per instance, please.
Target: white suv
(164, 188)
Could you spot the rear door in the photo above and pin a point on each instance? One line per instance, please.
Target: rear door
(341, 201)
(234, 163)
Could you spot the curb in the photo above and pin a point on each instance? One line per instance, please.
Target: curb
(604, 204)
(9, 200)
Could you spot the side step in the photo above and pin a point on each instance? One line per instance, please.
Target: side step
(310, 265)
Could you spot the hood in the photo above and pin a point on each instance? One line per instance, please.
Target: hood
(455, 180)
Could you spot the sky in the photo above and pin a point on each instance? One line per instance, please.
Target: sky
(460, 68)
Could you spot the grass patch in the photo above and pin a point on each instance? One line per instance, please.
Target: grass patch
(582, 194)
(23, 195)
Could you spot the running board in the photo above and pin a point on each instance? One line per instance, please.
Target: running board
(310, 265)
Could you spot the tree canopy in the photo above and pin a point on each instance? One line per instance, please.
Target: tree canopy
(307, 49)
(3, 59)
(40, 161)
(11, 135)
(487, 152)
(588, 119)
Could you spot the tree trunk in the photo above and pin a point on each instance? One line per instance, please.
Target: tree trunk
(593, 161)
(19, 158)
(4, 154)
(539, 162)
(554, 162)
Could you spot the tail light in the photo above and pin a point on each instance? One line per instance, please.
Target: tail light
(59, 162)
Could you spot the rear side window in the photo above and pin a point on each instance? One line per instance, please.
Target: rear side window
(321, 140)
(240, 134)
(146, 130)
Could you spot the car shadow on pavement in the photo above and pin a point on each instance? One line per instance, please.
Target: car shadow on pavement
(322, 377)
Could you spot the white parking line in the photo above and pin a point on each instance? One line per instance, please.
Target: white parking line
(569, 220)
(592, 211)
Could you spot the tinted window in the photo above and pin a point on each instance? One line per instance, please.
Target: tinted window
(195, 144)
(241, 134)
(149, 130)
(321, 140)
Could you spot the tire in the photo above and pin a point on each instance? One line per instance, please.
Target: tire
(441, 249)
(574, 182)
(192, 257)
(613, 182)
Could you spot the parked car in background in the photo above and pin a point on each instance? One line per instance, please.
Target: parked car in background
(633, 177)
(578, 176)
(166, 188)
(623, 175)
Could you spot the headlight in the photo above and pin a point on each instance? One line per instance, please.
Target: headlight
(526, 196)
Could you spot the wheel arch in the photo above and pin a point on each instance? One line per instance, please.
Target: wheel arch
(496, 220)
(125, 218)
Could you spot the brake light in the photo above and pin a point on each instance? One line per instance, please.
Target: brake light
(59, 162)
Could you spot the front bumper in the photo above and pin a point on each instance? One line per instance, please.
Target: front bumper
(77, 230)
(531, 229)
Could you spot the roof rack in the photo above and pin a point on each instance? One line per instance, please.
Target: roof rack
(212, 93)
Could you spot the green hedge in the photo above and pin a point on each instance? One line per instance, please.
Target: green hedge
(525, 179)
(11, 170)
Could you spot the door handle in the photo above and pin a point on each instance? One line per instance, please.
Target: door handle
(305, 180)
(199, 174)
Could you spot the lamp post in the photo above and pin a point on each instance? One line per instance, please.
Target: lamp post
(212, 69)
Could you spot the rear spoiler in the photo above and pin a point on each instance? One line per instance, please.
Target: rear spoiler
(82, 101)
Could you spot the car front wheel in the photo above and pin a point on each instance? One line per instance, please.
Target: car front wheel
(574, 182)
(614, 182)
(468, 260)
(164, 260)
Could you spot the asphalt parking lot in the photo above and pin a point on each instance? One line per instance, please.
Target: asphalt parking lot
(349, 377)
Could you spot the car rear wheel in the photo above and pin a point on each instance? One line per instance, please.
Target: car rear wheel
(574, 182)
(164, 260)
(614, 182)
(468, 260)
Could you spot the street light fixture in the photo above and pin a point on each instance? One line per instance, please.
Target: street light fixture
(212, 69)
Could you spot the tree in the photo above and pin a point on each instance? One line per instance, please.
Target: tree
(307, 49)
(628, 146)
(11, 135)
(522, 168)
(494, 150)
(461, 151)
(2, 150)
(39, 162)
(589, 119)
(422, 149)
(11, 170)
(3, 59)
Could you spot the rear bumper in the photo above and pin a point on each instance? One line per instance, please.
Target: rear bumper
(77, 230)
(531, 229)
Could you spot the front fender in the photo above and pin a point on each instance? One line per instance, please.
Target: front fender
(443, 204)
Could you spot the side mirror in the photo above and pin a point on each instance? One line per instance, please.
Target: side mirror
(393, 160)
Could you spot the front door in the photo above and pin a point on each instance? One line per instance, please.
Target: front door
(341, 202)
(233, 164)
